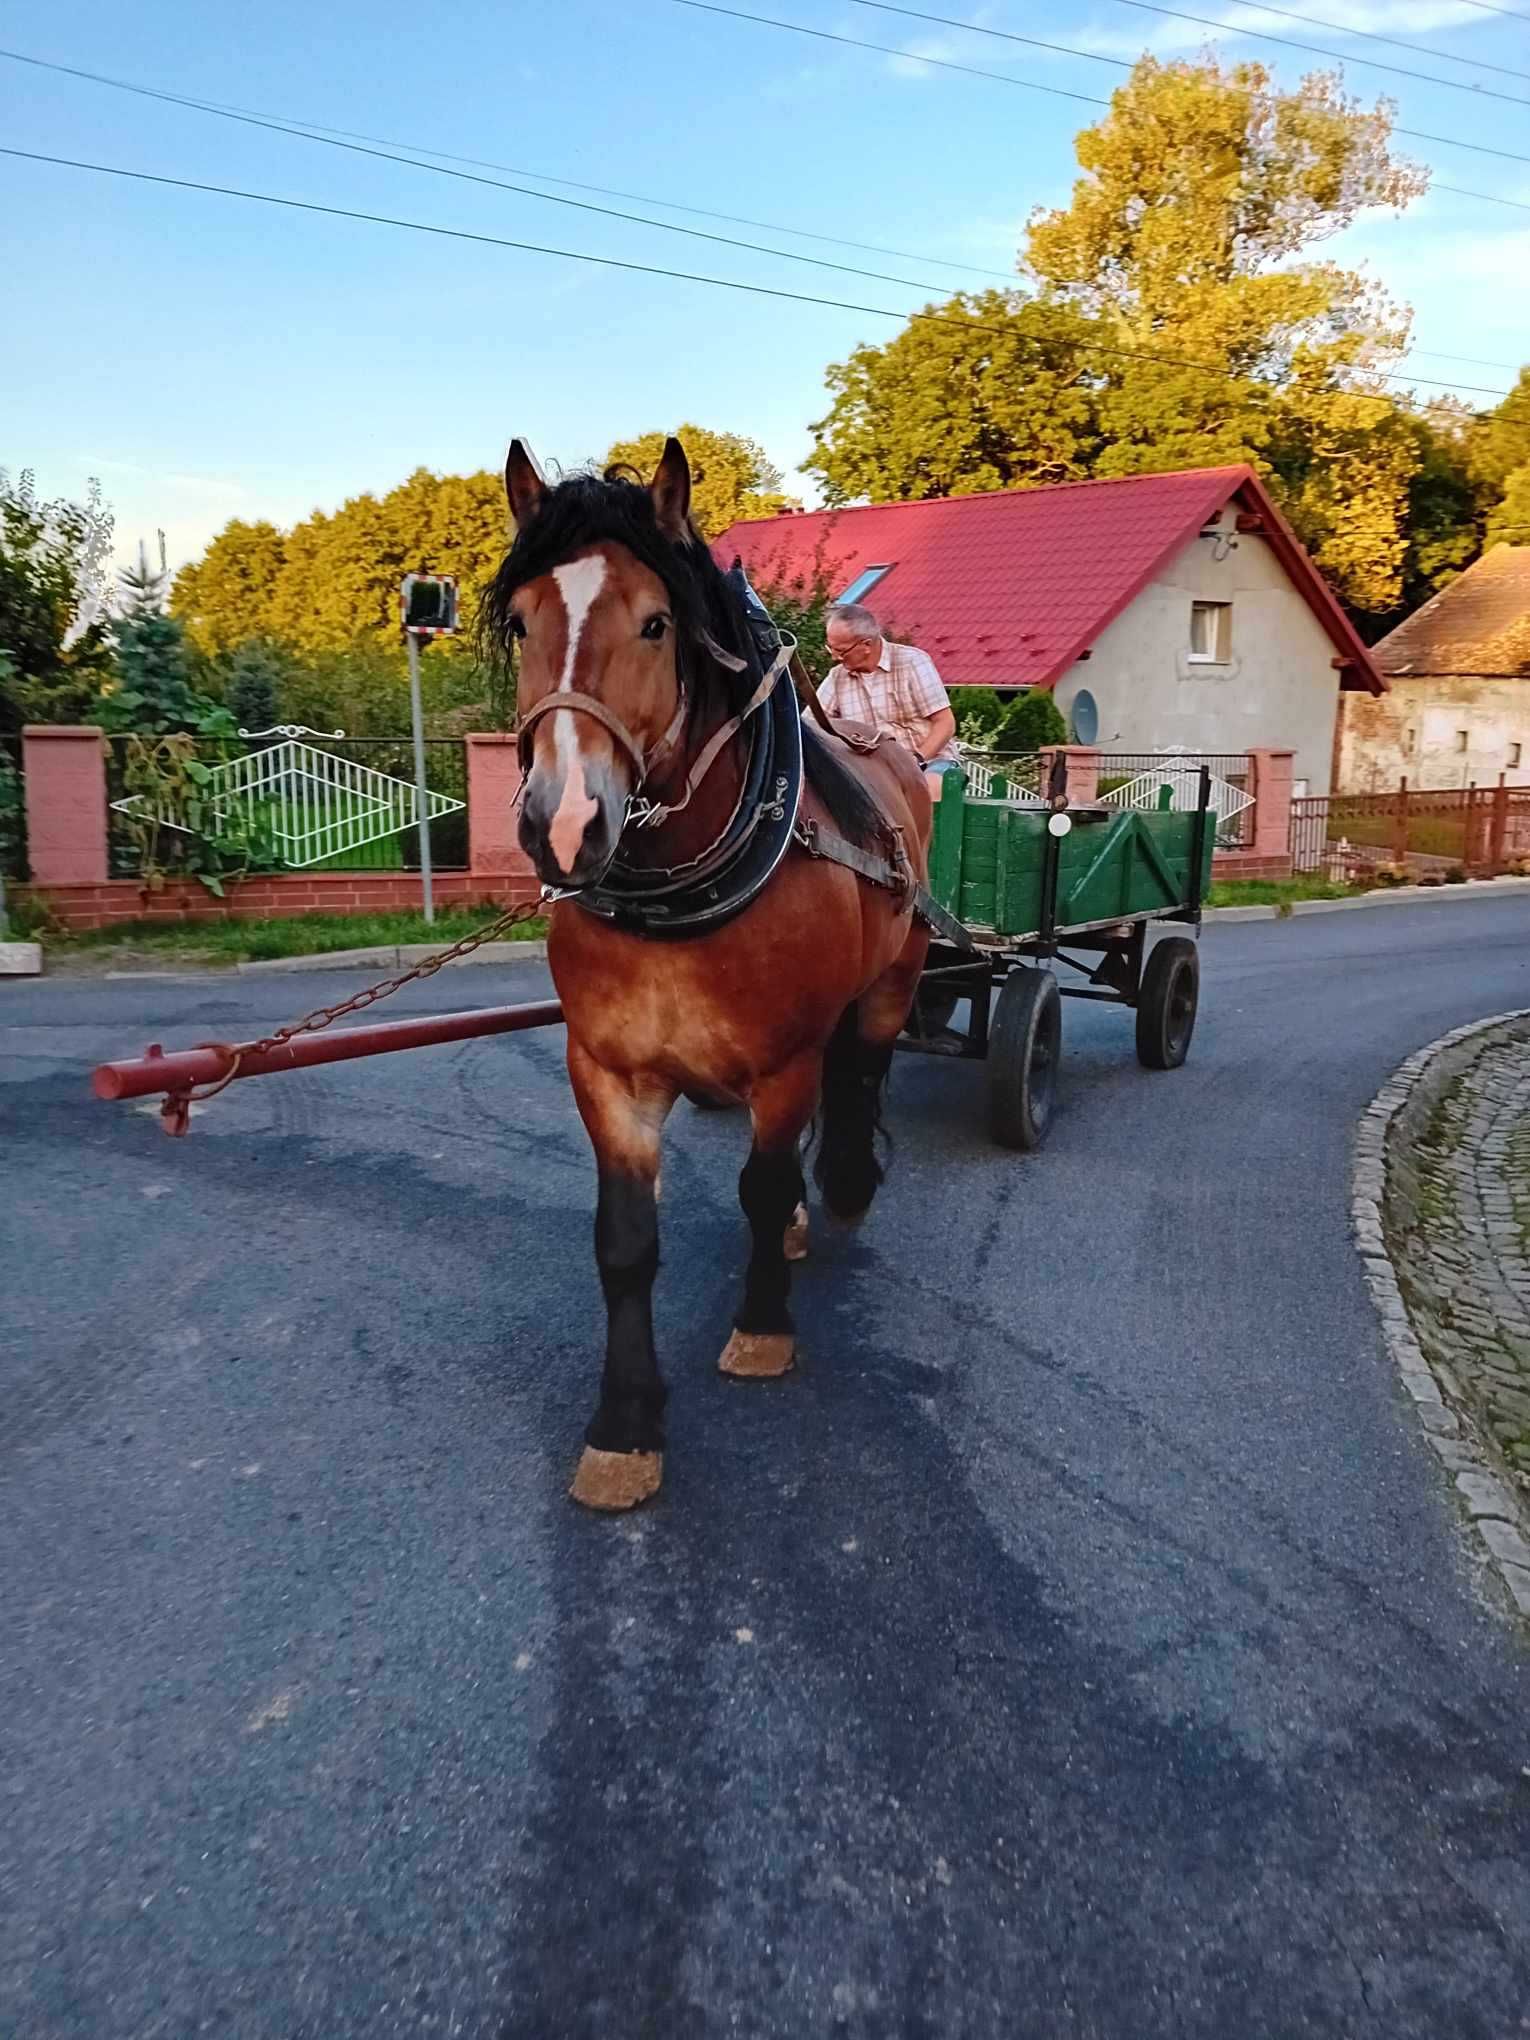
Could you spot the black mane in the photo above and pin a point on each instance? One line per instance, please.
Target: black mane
(588, 509)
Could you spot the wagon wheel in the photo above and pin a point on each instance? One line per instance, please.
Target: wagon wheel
(1024, 1048)
(1166, 1004)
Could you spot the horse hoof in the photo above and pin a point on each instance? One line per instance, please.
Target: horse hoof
(758, 1356)
(795, 1245)
(616, 1480)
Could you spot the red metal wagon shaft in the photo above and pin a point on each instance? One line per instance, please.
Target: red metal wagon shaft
(185, 1069)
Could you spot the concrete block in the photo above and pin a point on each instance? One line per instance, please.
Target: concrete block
(1508, 1545)
(1485, 1496)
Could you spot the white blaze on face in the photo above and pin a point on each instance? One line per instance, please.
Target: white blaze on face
(579, 582)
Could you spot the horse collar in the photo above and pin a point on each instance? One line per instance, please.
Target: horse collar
(710, 889)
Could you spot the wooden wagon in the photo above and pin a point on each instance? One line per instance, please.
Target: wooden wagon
(1031, 885)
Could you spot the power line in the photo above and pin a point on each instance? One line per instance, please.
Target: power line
(1286, 42)
(314, 132)
(276, 124)
(1482, 7)
(1476, 360)
(1372, 35)
(691, 276)
(513, 170)
(1489, 197)
(882, 49)
(1026, 84)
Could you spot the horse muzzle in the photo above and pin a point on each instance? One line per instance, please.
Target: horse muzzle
(571, 821)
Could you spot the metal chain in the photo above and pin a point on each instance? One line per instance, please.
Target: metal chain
(325, 1016)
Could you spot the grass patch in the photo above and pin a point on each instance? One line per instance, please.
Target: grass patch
(1278, 892)
(235, 941)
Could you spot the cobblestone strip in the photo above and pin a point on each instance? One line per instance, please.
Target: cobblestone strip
(1441, 1209)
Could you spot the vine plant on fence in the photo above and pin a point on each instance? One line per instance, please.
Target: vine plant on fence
(206, 841)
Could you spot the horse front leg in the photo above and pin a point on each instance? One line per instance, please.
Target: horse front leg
(623, 1459)
(770, 1190)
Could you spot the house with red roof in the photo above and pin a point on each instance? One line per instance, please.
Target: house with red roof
(1458, 713)
(1164, 612)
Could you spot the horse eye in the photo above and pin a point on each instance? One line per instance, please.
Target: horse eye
(655, 628)
(517, 625)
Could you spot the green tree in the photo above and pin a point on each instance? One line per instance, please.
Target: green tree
(225, 597)
(1174, 314)
(731, 476)
(1509, 523)
(799, 599)
(333, 580)
(1500, 440)
(153, 690)
(257, 672)
(979, 711)
(1032, 719)
(52, 577)
(363, 689)
(992, 392)
(1206, 191)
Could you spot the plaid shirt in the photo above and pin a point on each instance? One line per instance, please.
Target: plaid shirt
(902, 691)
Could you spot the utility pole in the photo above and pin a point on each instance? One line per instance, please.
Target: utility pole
(427, 608)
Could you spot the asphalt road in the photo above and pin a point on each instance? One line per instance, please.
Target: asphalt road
(1080, 1643)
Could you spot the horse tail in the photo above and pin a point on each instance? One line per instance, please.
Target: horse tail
(846, 1166)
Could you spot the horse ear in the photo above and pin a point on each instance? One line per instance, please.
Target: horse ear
(524, 483)
(671, 491)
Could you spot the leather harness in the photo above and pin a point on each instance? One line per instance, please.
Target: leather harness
(713, 887)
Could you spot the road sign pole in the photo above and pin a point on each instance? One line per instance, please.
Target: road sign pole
(421, 793)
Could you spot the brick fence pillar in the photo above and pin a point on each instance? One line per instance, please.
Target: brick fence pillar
(64, 770)
(1082, 762)
(1269, 781)
(493, 781)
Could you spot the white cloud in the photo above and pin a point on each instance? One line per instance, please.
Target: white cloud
(1341, 21)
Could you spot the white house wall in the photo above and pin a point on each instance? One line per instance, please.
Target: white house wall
(1279, 688)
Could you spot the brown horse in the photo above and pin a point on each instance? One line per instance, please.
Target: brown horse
(641, 677)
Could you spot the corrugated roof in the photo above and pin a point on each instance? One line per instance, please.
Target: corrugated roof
(1479, 624)
(1007, 589)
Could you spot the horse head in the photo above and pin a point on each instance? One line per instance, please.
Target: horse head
(592, 591)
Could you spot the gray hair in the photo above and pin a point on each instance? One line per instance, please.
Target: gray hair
(855, 616)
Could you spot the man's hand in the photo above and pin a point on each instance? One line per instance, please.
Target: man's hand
(936, 734)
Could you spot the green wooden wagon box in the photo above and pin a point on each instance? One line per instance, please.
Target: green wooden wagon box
(1033, 886)
(989, 861)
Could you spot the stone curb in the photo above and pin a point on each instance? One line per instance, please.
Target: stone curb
(20, 959)
(399, 957)
(1494, 1516)
(1392, 896)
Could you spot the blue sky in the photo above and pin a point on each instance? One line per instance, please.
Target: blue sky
(209, 359)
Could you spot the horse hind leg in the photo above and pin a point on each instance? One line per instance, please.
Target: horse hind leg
(846, 1167)
(770, 1189)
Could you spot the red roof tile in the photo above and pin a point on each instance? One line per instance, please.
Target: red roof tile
(1006, 590)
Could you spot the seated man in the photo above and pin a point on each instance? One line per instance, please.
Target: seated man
(889, 686)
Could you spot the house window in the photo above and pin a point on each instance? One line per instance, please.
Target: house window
(1410, 737)
(1210, 633)
(1463, 738)
(864, 582)
(1514, 753)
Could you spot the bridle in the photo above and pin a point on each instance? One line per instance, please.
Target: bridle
(642, 811)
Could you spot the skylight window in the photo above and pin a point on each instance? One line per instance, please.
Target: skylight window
(864, 582)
